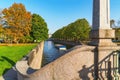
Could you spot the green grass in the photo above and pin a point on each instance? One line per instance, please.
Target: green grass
(9, 55)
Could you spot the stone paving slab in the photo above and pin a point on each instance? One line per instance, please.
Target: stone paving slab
(10, 75)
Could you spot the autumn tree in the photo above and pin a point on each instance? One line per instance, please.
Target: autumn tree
(1, 25)
(39, 30)
(18, 20)
(0, 17)
(1, 32)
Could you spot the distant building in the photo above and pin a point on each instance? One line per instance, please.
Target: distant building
(49, 35)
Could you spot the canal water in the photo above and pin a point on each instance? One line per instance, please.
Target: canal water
(50, 53)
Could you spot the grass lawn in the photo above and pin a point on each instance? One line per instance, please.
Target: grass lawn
(9, 55)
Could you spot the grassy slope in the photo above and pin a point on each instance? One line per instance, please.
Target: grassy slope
(9, 55)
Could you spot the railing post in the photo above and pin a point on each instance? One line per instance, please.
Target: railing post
(115, 66)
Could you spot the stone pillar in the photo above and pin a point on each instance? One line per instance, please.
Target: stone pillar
(101, 33)
(101, 37)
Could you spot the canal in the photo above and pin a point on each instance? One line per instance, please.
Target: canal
(50, 52)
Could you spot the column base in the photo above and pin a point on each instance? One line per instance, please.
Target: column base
(102, 42)
(102, 37)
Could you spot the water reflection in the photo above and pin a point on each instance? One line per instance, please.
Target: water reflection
(50, 52)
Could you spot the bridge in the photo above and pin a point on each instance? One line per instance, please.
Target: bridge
(99, 60)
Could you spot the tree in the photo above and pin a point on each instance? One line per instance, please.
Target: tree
(1, 25)
(83, 29)
(1, 32)
(18, 20)
(39, 30)
(78, 30)
(112, 23)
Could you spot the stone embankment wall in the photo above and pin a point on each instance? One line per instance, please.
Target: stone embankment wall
(31, 62)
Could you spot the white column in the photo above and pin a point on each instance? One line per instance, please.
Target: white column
(101, 14)
(101, 33)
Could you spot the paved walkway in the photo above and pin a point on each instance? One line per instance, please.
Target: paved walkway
(10, 75)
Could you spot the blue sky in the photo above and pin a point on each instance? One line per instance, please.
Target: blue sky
(59, 13)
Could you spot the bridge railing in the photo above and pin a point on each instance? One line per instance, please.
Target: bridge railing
(108, 68)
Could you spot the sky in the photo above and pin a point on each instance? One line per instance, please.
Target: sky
(59, 13)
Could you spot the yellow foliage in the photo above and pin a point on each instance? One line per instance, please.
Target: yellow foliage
(19, 20)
